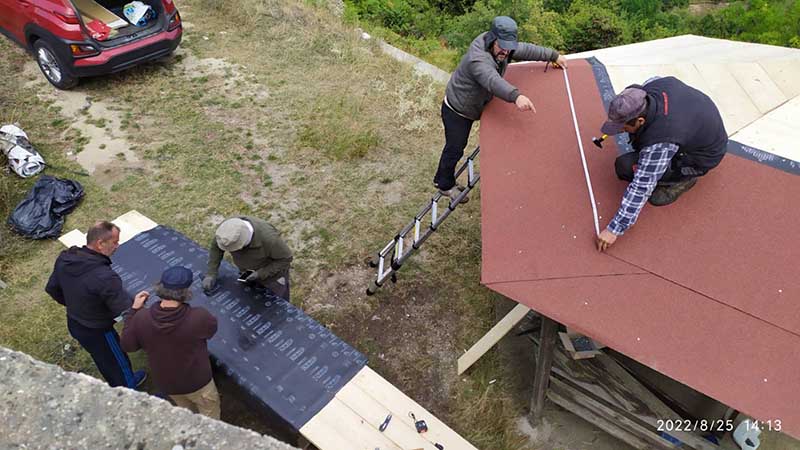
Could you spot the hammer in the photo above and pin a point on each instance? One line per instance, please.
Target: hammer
(599, 141)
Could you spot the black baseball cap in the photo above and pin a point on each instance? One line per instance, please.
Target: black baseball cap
(505, 30)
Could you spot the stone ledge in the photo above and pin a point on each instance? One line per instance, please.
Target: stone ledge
(43, 406)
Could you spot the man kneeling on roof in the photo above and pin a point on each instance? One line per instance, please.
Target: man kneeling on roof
(677, 136)
(175, 337)
(257, 249)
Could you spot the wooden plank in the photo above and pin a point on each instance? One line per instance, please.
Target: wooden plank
(492, 337)
(776, 132)
(337, 427)
(130, 224)
(96, 11)
(138, 220)
(401, 429)
(73, 238)
(734, 104)
(755, 81)
(645, 427)
(396, 401)
(784, 72)
(579, 397)
(611, 427)
(544, 362)
(606, 379)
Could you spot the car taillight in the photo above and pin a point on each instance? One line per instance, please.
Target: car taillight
(82, 51)
(169, 6)
(67, 18)
(174, 22)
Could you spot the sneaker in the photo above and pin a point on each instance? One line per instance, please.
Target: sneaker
(454, 192)
(664, 195)
(139, 377)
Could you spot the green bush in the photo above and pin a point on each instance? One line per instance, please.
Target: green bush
(442, 30)
(641, 8)
(775, 23)
(588, 26)
(544, 30)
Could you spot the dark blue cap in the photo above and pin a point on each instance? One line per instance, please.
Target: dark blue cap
(177, 277)
(505, 30)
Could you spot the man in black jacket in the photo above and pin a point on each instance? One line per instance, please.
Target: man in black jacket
(83, 281)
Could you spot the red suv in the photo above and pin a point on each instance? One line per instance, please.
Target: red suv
(77, 38)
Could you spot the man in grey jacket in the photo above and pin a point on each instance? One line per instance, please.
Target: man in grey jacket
(478, 78)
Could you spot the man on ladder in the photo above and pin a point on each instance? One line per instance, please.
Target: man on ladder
(478, 78)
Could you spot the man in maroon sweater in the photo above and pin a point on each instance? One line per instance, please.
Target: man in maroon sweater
(174, 335)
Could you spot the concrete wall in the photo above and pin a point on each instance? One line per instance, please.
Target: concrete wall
(43, 406)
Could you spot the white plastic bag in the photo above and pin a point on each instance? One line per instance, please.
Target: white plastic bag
(22, 157)
(137, 13)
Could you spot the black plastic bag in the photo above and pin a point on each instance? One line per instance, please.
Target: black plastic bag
(41, 214)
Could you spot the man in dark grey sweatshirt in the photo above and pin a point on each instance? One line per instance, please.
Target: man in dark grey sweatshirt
(478, 78)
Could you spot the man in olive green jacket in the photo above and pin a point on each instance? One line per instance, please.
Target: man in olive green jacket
(257, 248)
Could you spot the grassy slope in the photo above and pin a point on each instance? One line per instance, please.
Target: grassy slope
(316, 132)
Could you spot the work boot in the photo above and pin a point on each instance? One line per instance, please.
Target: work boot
(454, 192)
(664, 195)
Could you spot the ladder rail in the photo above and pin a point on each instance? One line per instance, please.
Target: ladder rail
(397, 250)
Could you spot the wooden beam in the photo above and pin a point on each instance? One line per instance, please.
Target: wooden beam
(544, 362)
(566, 401)
(644, 427)
(492, 337)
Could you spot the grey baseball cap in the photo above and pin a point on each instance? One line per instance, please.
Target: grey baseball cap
(233, 234)
(505, 30)
(627, 105)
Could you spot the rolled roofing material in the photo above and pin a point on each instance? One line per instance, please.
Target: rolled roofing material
(280, 356)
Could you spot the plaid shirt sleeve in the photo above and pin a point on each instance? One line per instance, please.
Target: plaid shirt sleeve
(653, 162)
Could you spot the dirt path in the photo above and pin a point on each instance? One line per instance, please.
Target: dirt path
(103, 151)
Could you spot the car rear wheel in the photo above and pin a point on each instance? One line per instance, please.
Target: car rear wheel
(52, 67)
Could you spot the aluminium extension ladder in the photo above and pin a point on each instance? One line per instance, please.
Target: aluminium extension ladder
(398, 249)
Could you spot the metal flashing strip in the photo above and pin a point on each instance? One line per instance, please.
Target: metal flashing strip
(734, 147)
(763, 157)
(282, 357)
(607, 93)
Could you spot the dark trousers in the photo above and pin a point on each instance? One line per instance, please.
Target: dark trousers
(103, 345)
(625, 166)
(278, 288)
(456, 134)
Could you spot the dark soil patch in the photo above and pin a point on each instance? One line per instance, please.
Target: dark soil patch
(409, 339)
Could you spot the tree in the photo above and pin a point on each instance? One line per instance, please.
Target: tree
(641, 8)
(588, 26)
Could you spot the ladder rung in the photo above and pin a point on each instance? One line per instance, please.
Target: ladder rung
(397, 245)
